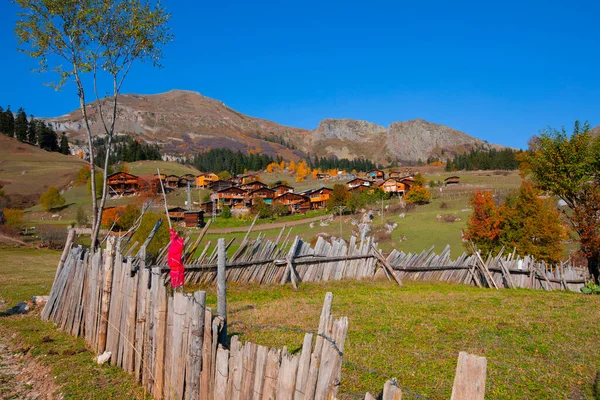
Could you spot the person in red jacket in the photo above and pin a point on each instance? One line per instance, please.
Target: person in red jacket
(174, 259)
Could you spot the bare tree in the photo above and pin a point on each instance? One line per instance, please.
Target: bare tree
(99, 38)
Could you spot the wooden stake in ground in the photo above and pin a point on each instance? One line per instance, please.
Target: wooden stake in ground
(164, 197)
(222, 287)
(469, 382)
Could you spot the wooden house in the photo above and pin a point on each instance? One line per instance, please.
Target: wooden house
(205, 179)
(323, 176)
(233, 197)
(184, 179)
(359, 188)
(176, 213)
(264, 193)
(247, 178)
(250, 186)
(193, 219)
(376, 174)
(452, 180)
(220, 185)
(207, 207)
(171, 181)
(282, 189)
(123, 184)
(391, 185)
(295, 202)
(357, 182)
(318, 197)
(408, 182)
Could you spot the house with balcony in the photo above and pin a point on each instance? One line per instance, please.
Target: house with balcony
(123, 184)
(296, 203)
(250, 186)
(282, 189)
(234, 197)
(318, 197)
(205, 179)
(393, 186)
(264, 193)
(357, 182)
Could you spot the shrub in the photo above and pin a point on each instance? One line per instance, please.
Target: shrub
(51, 199)
(83, 175)
(99, 178)
(449, 218)
(444, 205)
(226, 213)
(81, 217)
(418, 195)
(261, 208)
(52, 237)
(13, 217)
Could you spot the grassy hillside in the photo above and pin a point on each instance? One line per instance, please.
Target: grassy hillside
(148, 167)
(29, 170)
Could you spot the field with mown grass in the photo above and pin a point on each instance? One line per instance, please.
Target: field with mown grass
(538, 345)
(26, 272)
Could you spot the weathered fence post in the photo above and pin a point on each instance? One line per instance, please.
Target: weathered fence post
(65, 253)
(222, 288)
(469, 382)
(109, 254)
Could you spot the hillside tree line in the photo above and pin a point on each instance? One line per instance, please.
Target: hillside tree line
(505, 159)
(326, 163)
(235, 162)
(32, 131)
(124, 149)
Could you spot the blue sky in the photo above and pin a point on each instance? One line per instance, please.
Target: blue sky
(499, 71)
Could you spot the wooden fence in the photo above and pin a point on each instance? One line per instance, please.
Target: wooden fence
(176, 347)
(499, 271)
(173, 344)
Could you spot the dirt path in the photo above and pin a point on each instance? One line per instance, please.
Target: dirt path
(21, 376)
(265, 227)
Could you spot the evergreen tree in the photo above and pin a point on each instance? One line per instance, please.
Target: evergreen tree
(64, 144)
(3, 128)
(9, 121)
(21, 125)
(47, 138)
(32, 134)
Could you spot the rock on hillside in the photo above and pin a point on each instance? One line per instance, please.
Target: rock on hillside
(406, 141)
(596, 131)
(419, 139)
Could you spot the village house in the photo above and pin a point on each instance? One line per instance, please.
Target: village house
(264, 193)
(246, 178)
(123, 184)
(176, 213)
(220, 185)
(171, 182)
(194, 219)
(207, 207)
(408, 182)
(452, 180)
(295, 202)
(233, 197)
(253, 185)
(205, 179)
(318, 197)
(391, 185)
(376, 174)
(282, 189)
(357, 182)
(323, 176)
(184, 179)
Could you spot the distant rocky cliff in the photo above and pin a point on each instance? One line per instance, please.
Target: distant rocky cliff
(185, 122)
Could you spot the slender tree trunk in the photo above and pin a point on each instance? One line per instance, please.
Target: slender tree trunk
(82, 107)
(594, 266)
(110, 134)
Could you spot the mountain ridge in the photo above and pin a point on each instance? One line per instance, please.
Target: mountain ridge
(183, 122)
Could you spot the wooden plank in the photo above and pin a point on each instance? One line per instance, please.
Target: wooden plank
(271, 374)
(160, 333)
(303, 367)
(196, 341)
(248, 370)
(469, 382)
(259, 372)
(206, 379)
(221, 375)
(222, 288)
(286, 382)
(386, 265)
